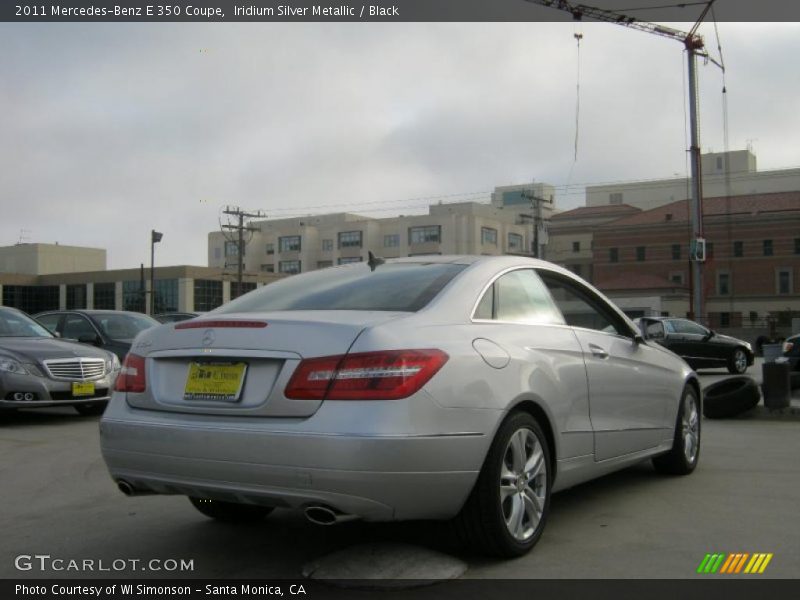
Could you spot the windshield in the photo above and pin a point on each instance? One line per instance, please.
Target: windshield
(403, 287)
(123, 327)
(16, 324)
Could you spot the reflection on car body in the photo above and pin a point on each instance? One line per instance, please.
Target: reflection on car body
(487, 382)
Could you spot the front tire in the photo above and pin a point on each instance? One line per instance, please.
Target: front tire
(737, 363)
(507, 510)
(685, 453)
(230, 512)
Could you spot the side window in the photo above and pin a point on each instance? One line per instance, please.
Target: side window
(683, 326)
(655, 330)
(518, 296)
(50, 322)
(581, 307)
(669, 326)
(76, 326)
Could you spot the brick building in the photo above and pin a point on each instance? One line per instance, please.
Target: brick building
(753, 258)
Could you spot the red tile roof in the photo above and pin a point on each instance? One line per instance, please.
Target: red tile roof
(607, 210)
(753, 204)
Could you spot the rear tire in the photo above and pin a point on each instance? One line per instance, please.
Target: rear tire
(507, 510)
(91, 410)
(737, 363)
(230, 512)
(685, 453)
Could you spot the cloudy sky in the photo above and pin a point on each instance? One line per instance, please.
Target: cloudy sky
(111, 130)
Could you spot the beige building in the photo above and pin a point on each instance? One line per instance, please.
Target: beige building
(306, 243)
(724, 174)
(44, 259)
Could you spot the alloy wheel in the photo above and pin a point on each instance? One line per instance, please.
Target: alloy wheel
(523, 484)
(690, 429)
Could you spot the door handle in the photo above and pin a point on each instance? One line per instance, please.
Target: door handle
(598, 351)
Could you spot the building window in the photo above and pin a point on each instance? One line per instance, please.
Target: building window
(738, 249)
(31, 298)
(724, 319)
(105, 295)
(514, 242)
(640, 253)
(391, 241)
(207, 294)
(576, 246)
(268, 268)
(350, 239)
(327, 245)
(429, 234)
(489, 236)
(676, 251)
(324, 264)
(784, 281)
(217, 253)
(709, 250)
(677, 278)
(615, 198)
(719, 163)
(231, 248)
(797, 245)
(753, 316)
(349, 260)
(723, 283)
(247, 286)
(768, 251)
(166, 299)
(76, 296)
(613, 255)
(133, 296)
(269, 249)
(289, 243)
(289, 266)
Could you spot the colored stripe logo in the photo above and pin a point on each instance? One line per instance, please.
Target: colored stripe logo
(734, 564)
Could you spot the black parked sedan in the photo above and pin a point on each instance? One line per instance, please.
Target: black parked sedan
(112, 330)
(702, 348)
(39, 370)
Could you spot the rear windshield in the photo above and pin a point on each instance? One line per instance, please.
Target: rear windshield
(403, 287)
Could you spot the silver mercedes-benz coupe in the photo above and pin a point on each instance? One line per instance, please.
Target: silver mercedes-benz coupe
(433, 387)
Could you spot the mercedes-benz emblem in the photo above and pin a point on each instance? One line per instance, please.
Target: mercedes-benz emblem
(209, 337)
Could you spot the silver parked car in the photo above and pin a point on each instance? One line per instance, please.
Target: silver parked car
(37, 369)
(420, 388)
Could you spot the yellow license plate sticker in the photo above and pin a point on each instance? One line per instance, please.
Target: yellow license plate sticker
(214, 381)
(83, 388)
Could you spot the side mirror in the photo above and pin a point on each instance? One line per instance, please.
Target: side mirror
(638, 339)
(89, 338)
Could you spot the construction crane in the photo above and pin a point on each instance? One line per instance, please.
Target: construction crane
(694, 47)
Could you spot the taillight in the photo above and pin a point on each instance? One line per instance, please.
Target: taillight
(131, 375)
(385, 375)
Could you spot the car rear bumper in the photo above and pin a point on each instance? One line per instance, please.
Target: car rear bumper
(285, 463)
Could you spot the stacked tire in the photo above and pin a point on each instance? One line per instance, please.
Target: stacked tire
(730, 397)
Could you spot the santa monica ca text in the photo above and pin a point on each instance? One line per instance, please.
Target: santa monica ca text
(243, 589)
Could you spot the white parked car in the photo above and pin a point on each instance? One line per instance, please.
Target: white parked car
(428, 387)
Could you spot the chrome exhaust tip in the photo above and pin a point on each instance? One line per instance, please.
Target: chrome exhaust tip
(325, 515)
(126, 488)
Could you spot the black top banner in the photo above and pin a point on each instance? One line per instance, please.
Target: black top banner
(392, 10)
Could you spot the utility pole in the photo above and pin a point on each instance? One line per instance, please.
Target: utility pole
(536, 206)
(694, 47)
(240, 227)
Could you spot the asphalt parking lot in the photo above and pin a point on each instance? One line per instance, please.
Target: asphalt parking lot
(58, 500)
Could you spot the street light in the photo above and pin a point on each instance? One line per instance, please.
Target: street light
(155, 237)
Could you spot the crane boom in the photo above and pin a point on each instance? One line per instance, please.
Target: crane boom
(694, 47)
(578, 11)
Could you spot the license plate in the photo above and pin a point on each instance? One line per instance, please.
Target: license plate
(82, 388)
(214, 381)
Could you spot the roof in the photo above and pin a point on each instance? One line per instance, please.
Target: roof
(749, 205)
(587, 212)
(634, 281)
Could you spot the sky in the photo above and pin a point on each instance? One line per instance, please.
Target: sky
(109, 130)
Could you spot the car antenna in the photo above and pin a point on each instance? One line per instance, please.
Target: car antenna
(374, 261)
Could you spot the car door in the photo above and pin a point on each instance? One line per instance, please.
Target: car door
(78, 327)
(630, 392)
(692, 342)
(50, 322)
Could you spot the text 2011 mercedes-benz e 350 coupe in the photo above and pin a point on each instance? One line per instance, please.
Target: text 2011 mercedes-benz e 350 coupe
(419, 388)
